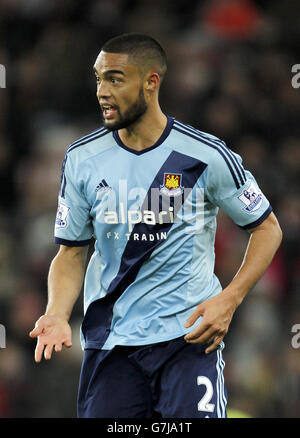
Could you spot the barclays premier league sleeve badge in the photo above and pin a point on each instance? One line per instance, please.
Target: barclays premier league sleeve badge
(61, 216)
(251, 198)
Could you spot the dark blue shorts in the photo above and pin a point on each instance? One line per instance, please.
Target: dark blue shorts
(172, 379)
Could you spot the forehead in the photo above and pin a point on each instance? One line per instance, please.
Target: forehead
(114, 62)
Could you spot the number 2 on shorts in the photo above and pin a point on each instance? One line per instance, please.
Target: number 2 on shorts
(204, 404)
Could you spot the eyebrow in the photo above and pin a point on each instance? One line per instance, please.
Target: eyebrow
(109, 72)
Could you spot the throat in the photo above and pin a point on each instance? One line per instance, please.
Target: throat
(142, 137)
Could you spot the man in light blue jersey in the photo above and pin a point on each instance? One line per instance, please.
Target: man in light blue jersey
(147, 189)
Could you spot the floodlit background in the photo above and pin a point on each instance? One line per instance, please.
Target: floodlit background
(230, 74)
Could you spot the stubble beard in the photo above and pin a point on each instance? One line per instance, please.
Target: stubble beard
(131, 116)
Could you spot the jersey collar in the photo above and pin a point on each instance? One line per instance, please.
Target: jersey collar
(162, 138)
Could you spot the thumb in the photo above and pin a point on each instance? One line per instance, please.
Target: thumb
(38, 330)
(199, 311)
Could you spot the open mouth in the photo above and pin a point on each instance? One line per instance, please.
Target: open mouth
(109, 111)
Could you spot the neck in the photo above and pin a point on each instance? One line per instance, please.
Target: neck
(146, 131)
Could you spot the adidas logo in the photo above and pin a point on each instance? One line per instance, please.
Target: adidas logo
(103, 186)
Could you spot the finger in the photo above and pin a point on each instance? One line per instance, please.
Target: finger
(39, 350)
(48, 351)
(58, 347)
(203, 337)
(68, 343)
(194, 316)
(214, 345)
(198, 331)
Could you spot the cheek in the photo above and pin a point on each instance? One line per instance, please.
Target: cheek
(130, 94)
(125, 101)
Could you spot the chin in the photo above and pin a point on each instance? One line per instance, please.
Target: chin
(113, 125)
(110, 124)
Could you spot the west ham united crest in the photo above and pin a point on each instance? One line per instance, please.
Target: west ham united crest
(172, 184)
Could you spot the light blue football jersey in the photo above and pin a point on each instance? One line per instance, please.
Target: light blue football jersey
(152, 217)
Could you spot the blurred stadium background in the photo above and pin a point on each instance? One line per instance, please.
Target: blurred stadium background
(229, 74)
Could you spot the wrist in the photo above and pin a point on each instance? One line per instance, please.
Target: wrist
(235, 295)
(57, 314)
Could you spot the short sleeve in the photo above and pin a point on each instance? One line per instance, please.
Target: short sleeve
(235, 190)
(73, 224)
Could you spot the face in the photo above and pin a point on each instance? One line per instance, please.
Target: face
(119, 90)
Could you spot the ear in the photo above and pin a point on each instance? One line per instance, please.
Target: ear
(152, 81)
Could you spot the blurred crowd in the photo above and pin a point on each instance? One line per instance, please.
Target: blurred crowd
(229, 74)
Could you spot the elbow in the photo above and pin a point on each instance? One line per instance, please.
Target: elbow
(279, 234)
(272, 228)
(276, 230)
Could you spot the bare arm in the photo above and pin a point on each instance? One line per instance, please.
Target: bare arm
(217, 312)
(65, 280)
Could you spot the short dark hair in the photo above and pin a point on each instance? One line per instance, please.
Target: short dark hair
(141, 49)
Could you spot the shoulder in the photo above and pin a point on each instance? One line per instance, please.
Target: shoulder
(89, 145)
(204, 145)
(214, 151)
(195, 135)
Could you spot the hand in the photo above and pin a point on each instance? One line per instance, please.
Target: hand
(52, 332)
(216, 315)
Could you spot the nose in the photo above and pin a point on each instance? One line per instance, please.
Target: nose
(103, 90)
